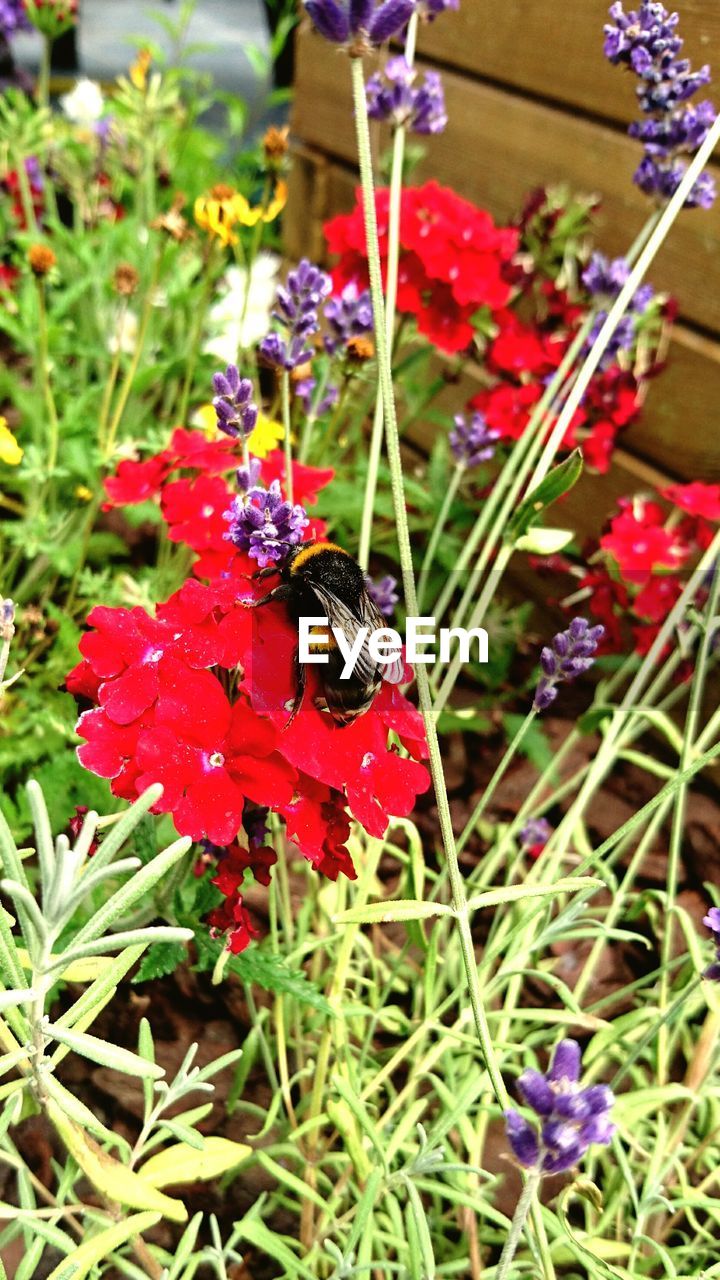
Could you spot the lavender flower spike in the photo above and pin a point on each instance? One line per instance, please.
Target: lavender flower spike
(297, 303)
(264, 525)
(571, 654)
(236, 414)
(360, 24)
(349, 315)
(392, 96)
(472, 440)
(571, 1117)
(384, 594)
(646, 41)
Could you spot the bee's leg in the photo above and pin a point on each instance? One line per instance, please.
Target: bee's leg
(270, 571)
(299, 676)
(283, 592)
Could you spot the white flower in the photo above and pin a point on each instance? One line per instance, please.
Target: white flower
(125, 335)
(85, 104)
(230, 332)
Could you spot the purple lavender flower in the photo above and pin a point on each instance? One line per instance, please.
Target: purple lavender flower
(360, 23)
(645, 40)
(712, 922)
(537, 831)
(235, 411)
(571, 654)
(472, 440)
(248, 476)
(297, 303)
(265, 525)
(393, 97)
(349, 315)
(604, 278)
(305, 390)
(572, 1118)
(431, 9)
(12, 18)
(384, 594)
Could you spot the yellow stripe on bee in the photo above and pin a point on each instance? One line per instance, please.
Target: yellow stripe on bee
(313, 549)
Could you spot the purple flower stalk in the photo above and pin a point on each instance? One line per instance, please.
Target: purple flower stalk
(12, 18)
(305, 391)
(645, 40)
(384, 594)
(537, 831)
(604, 278)
(570, 655)
(297, 303)
(393, 97)
(572, 1118)
(359, 23)
(236, 414)
(349, 315)
(712, 922)
(472, 440)
(248, 476)
(264, 525)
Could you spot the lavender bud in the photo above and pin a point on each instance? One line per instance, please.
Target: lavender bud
(571, 654)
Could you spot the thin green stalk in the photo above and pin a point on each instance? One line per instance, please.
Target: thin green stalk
(376, 438)
(43, 83)
(493, 784)
(44, 378)
(532, 1182)
(312, 417)
(438, 530)
(127, 384)
(287, 426)
(196, 335)
(111, 382)
(678, 821)
(26, 199)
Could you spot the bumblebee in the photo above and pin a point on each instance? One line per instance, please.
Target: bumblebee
(320, 578)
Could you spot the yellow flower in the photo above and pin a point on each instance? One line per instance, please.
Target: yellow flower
(139, 69)
(265, 437)
(205, 418)
(83, 494)
(216, 213)
(249, 215)
(10, 451)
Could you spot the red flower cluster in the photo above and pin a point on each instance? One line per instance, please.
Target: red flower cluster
(197, 697)
(524, 356)
(646, 548)
(453, 259)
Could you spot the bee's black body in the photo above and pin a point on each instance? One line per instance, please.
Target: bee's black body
(320, 579)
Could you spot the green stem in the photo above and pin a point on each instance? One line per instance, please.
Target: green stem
(43, 84)
(287, 426)
(678, 820)
(376, 438)
(527, 1197)
(199, 320)
(44, 379)
(493, 784)
(403, 536)
(127, 384)
(438, 530)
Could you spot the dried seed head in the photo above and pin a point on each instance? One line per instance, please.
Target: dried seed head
(125, 280)
(360, 349)
(275, 145)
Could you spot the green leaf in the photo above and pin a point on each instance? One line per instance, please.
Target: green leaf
(184, 1163)
(99, 1248)
(535, 745)
(259, 966)
(161, 959)
(557, 482)
(386, 912)
(519, 892)
(105, 1053)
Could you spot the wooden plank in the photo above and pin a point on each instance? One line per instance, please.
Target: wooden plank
(555, 51)
(680, 429)
(498, 147)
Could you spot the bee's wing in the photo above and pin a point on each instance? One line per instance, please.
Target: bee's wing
(367, 670)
